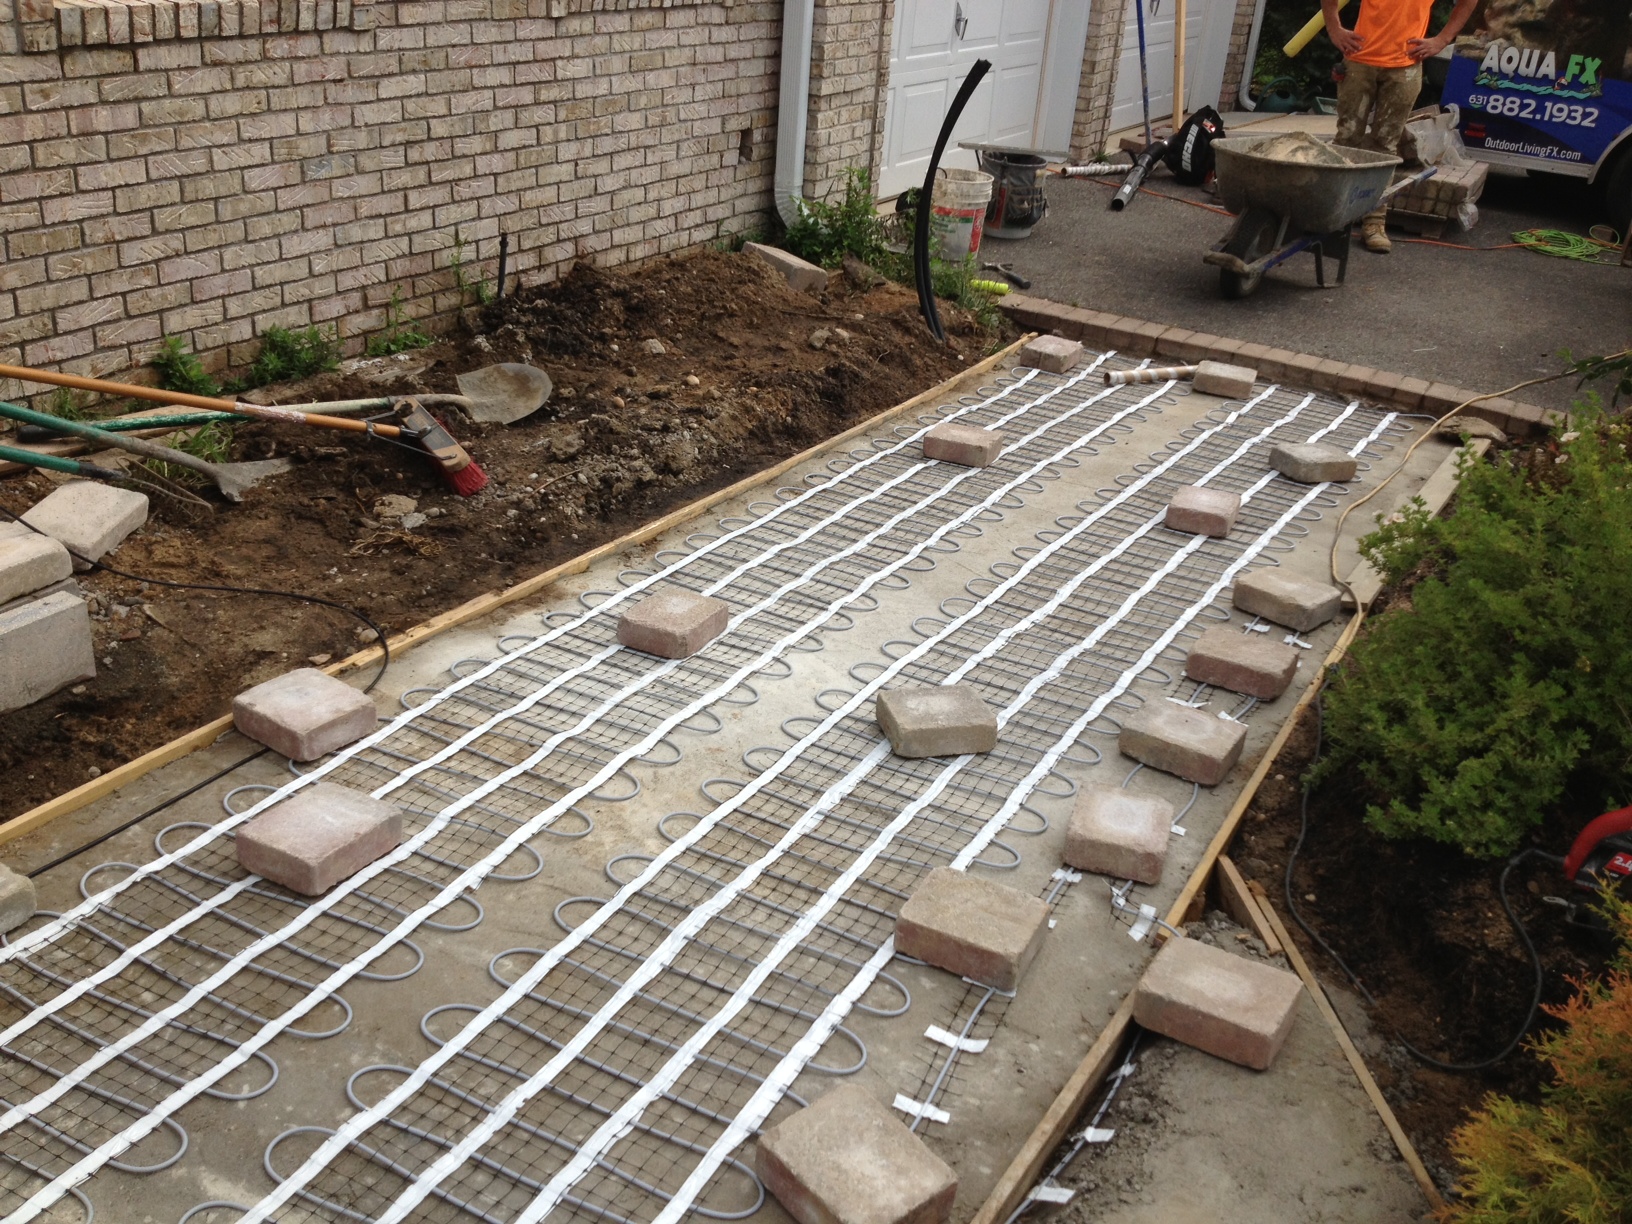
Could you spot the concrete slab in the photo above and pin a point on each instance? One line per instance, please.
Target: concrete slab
(1298, 603)
(673, 624)
(90, 519)
(848, 1160)
(1312, 463)
(45, 645)
(1197, 746)
(30, 562)
(932, 720)
(1055, 354)
(318, 836)
(964, 444)
(1203, 511)
(1238, 1009)
(1120, 833)
(973, 927)
(1252, 663)
(304, 714)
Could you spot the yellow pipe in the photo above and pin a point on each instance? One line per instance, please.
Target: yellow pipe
(1305, 36)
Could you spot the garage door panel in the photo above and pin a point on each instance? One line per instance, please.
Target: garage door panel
(1015, 103)
(919, 110)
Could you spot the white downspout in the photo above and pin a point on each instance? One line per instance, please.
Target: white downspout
(1244, 94)
(793, 106)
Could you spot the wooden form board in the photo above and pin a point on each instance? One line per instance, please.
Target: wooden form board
(201, 737)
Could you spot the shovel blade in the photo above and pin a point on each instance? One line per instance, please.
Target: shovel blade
(500, 394)
(236, 479)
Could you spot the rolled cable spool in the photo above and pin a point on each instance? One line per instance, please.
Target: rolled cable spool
(1150, 374)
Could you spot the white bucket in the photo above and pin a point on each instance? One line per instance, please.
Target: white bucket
(959, 207)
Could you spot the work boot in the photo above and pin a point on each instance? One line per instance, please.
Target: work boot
(1374, 236)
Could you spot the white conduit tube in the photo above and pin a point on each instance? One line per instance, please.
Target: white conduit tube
(674, 943)
(134, 1134)
(793, 107)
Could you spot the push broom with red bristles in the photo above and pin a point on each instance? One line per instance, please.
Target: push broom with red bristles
(462, 474)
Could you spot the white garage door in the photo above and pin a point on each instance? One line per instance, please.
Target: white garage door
(935, 44)
(1206, 45)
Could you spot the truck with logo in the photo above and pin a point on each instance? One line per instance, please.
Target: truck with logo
(1547, 85)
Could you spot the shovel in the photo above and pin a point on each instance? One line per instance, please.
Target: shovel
(233, 479)
(501, 394)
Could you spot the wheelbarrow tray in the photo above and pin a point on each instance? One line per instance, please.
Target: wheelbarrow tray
(1316, 199)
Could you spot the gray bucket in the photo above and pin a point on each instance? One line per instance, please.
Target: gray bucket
(1018, 202)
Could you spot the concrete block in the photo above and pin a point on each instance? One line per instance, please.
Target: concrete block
(1200, 511)
(965, 444)
(90, 519)
(1051, 354)
(45, 645)
(1237, 1009)
(30, 562)
(673, 624)
(17, 899)
(318, 836)
(1252, 663)
(933, 720)
(1311, 462)
(1119, 833)
(848, 1159)
(802, 277)
(972, 927)
(70, 585)
(1227, 381)
(1297, 603)
(1193, 744)
(304, 714)
(9, 529)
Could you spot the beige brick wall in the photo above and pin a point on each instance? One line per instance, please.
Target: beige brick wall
(849, 77)
(1236, 65)
(208, 186)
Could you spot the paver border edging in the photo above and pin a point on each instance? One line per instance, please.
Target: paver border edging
(1138, 338)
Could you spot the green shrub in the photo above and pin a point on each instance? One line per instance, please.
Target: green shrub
(1505, 688)
(286, 355)
(825, 232)
(400, 334)
(1567, 1160)
(180, 370)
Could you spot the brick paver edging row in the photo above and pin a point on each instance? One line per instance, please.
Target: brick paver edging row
(1138, 338)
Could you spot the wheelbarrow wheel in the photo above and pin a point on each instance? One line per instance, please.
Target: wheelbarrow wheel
(1253, 237)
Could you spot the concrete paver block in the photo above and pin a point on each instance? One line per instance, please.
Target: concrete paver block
(1237, 1009)
(318, 836)
(934, 720)
(45, 645)
(1119, 833)
(1297, 603)
(847, 1159)
(17, 899)
(802, 276)
(90, 519)
(978, 929)
(1201, 511)
(965, 444)
(673, 624)
(70, 585)
(304, 714)
(1251, 663)
(1051, 354)
(29, 562)
(1224, 380)
(1193, 744)
(1312, 463)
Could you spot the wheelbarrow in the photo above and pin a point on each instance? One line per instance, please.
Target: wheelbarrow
(1285, 207)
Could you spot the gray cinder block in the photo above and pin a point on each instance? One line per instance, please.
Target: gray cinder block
(1294, 602)
(802, 276)
(1227, 381)
(1312, 463)
(933, 720)
(45, 645)
(965, 444)
(17, 899)
(29, 562)
(1051, 354)
(90, 519)
(1202, 511)
(1193, 744)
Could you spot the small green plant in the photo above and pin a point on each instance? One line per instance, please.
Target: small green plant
(1568, 1159)
(287, 355)
(1504, 689)
(180, 370)
(212, 442)
(64, 405)
(479, 290)
(825, 232)
(400, 334)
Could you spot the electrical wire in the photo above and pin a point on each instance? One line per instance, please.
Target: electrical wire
(1565, 245)
(1501, 892)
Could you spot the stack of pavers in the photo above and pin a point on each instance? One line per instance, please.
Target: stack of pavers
(1453, 191)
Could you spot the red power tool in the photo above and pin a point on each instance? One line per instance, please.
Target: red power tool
(1599, 859)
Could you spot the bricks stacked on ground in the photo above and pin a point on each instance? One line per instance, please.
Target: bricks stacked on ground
(204, 171)
(1238, 1009)
(1426, 207)
(847, 1159)
(673, 624)
(1200, 511)
(936, 720)
(1312, 463)
(972, 927)
(1051, 354)
(1297, 603)
(304, 714)
(89, 519)
(965, 444)
(318, 836)
(45, 645)
(30, 562)
(802, 276)
(1118, 832)
(1193, 744)
(1221, 379)
(1250, 663)
(17, 899)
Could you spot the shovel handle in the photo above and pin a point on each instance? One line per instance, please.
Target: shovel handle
(135, 446)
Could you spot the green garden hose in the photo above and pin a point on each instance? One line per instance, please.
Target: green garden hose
(1564, 244)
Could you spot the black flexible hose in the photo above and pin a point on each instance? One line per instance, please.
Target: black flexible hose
(920, 223)
(1501, 891)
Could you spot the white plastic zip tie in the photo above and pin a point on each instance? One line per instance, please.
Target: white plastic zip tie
(1293, 639)
(1177, 830)
(968, 1045)
(917, 1109)
(1142, 927)
(1067, 874)
(1051, 1194)
(1098, 1134)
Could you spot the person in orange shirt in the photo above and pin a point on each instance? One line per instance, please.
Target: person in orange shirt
(1382, 62)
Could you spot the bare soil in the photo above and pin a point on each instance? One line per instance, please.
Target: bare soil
(745, 378)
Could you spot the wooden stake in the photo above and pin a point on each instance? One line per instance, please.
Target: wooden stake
(1178, 64)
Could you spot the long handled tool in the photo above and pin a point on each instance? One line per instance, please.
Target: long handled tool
(233, 479)
(1144, 71)
(417, 426)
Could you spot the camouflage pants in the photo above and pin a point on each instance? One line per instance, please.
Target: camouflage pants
(1380, 98)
